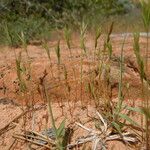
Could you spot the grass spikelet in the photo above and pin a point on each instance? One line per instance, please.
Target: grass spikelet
(57, 50)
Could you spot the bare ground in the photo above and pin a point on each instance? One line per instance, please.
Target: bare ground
(77, 105)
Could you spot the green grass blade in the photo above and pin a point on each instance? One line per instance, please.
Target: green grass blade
(125, 117)
(61, 129)
(117, 127)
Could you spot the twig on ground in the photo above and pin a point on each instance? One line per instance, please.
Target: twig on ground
(82, 141)
(87, 129)
(28, 140)
(103, 121)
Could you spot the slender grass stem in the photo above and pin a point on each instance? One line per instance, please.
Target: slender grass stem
(120, 94)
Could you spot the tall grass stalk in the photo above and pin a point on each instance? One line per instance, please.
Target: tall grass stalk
(120, 92)
(83, 29)
(146, 21)
(109, 46)
(108, 36)
(24, 46)
(47, 49)
(18, 59)
(81, 79)
(145, 4)
(27, 70)
(97, 36)
(57, 50)
(24, 43)
(140, 63)
(19, 73)
(67, 91)
(67, 36)
(60, 131)
(139, 58)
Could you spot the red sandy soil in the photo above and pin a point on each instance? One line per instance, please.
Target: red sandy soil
(64, 104)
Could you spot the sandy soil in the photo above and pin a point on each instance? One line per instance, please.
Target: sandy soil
(78, 105)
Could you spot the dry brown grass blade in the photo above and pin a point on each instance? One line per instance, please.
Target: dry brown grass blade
(34, 137)
(87, 129)
(103, 121)
(95, 143)
(81, 141)
(128, 137)
(31, 141)
(42, 136)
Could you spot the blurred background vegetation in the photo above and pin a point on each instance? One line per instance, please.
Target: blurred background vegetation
(37, 18)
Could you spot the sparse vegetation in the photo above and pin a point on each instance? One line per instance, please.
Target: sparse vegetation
(70, 80)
